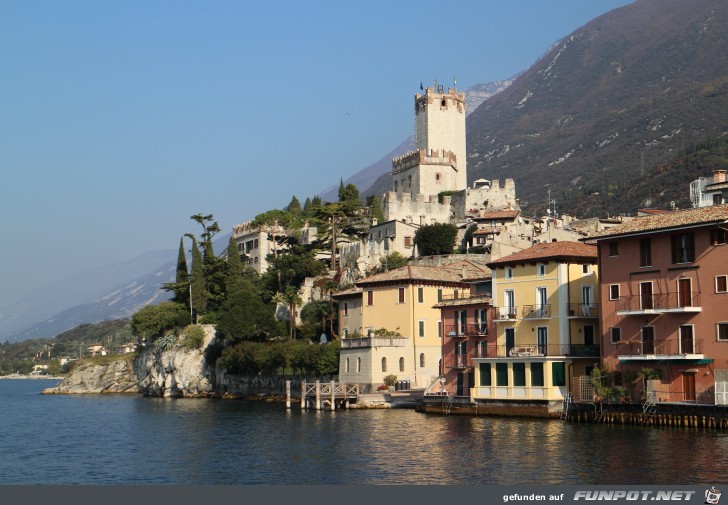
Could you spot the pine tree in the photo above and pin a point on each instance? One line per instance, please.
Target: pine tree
(316, 202)
(295, 207)
(198, 299)
(307, 207)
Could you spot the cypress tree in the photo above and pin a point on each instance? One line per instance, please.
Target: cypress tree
(375, 209)
(307, 207)
(197, 278)
(235, 277)
(342, 190)
(295, 207)
(182, 281)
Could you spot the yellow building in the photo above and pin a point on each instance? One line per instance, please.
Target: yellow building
(545, 300)
(397, 331)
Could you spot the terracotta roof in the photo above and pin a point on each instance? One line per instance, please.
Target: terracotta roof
(347, 293)
(572, 252)
(487, 231)
(676, 219)
(453, 273)
(498, 214)
(651, 211)
(464, 302)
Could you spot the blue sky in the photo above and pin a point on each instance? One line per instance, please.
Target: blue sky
(119, 120)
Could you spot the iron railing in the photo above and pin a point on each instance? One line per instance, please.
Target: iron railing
(590, 310)
(467, 330)
(508, 313)
(659, 302)
(662, 347)
(491, 350)
(542, 311)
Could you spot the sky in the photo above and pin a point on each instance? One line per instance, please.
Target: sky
(120, 120)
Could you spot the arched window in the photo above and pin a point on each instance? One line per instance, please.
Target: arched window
(384, 364)
(401, 364)
(347, 365)
(422, 360)
(358, 365)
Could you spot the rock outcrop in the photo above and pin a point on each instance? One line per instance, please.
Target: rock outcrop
(104, 376)
(176, 371)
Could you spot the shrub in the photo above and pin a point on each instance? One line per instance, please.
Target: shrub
(390, 380)
(194, 336)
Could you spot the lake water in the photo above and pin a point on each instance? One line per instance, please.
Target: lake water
(120, 439)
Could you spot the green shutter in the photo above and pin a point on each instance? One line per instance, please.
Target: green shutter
(537, 374)
(485, 374)
(558, 373)
(501, 374)
(519, 374)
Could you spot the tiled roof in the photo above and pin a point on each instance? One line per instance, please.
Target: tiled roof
(652, 211)
(347, 293)
(573, 252)
(455, 272)
(676, 219)
(487, 231)
(498, 214)
(464, 302)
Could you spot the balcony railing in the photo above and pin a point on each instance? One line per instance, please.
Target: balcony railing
(465, 296)
(583, 310)
(506, 313)
(659, 302)
(458, 361)
(467, 330)
(659, 349)
(536, 350)
(536, 311)
(353, 343)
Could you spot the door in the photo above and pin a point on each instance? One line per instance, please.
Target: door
(542, 333)
(459, 390)
(648, 340)
(510, 340)
(541, 299)
(460, 352)
(684, 293)
(646, 296)
(586, 300)
(689, 386)
(510, 304)
(686, 340)
(588, 335)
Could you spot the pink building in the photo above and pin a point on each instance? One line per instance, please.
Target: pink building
(663, 282)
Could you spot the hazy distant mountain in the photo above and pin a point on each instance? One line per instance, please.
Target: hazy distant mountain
(366, 177)
(613, 102)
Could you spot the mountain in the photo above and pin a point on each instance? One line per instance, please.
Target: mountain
(615, 101)
(81, 288)
(365, 178)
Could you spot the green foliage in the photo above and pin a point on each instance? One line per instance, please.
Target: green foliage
(383, 332)
(468, 237)
(442, 194)
(181, 286)
(307, 207)
(193, 336)
(165, 343)
(295, 207)
(436, 238)
(282, 357)
(390, 380)
(198, 299)
(604, 388)
(152, 321)
(375, 208)
(244, 316)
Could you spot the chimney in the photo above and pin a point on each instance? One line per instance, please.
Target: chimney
(718, 176)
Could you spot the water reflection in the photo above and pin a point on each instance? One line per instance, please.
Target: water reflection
(133, 440)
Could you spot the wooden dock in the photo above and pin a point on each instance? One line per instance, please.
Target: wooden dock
(324, 395)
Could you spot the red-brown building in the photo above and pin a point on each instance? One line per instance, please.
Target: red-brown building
(663, 282)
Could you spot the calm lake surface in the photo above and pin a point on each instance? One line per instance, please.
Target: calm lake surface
(120, 439)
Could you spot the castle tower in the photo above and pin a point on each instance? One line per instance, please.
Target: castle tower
(439, 161)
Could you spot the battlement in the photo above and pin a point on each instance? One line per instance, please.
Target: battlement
(244, 228)
(435, 94)
(420, 157)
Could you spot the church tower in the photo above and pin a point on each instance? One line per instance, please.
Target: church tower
(439, 162)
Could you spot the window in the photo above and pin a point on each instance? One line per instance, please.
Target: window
(721, 283)
(717, 199)
(645, 252)
(439, 295)
(718, 236)
(537, 374)
(422, 360)
(614, 291)
(485, 374)
(687, 344)
(420, 295)
(421, 328)
(557, 373)
(401, 364)
(586, 269)
(346, 309)
(370, 297)
(439, 329)
(501, 374)
(255, 243)
(408, 242)
(683, 249)
(615, 334)
(358, 365)
(438, 176)
(540, 269)
(721, 330)
(384, 364)
(346, 333)
(519, 374)
(400, 295)
(395, 186)
(509, 273)
(347, 365)
(614, 248)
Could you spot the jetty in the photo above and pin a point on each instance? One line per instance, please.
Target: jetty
(324, 395)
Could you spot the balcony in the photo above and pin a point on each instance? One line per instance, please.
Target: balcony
(672, 349)
(536, 350)
(536, 311)
(583, 310)
(457, 361)
(509, 313)
(467, 330)
(356, 343)
(661, 303)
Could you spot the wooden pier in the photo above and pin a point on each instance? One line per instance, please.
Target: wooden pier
(324, 395)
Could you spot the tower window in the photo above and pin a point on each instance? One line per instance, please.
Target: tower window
(443, 103)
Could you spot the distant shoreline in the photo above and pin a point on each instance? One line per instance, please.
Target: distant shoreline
(32, 377)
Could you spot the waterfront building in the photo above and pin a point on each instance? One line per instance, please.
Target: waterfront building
(664, 303)
(398, 331)
(257, 241)
(545, 312)
(707, 191)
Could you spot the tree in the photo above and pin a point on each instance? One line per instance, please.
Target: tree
(436, 238)
(235, 276)
(198, 298)
(375, 208)
(307, 207)
(292, 299)
(295, 207)
(468, 237)
(342, 188)
(392, 261)
(181, 286)
(153, 321)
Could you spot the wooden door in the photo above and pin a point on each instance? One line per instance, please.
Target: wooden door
(646, 296)
(684, 293)
(689, 386)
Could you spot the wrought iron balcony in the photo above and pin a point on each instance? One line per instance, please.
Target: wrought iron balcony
(536, 350)
(458, 361)
(536, 311)
(508, 313)
(467, 330)
(658, 303)
(583, 310)
(673, 348)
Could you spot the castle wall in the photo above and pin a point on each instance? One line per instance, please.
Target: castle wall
(419, 211)
(495, 197)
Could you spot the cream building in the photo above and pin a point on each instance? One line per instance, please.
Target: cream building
(397, 330)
